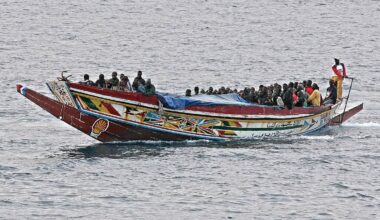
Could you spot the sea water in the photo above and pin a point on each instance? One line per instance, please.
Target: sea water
(50, 170)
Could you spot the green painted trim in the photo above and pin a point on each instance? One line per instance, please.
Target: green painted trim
(89, 103)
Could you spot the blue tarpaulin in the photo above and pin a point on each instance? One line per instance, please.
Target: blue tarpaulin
(181, 102)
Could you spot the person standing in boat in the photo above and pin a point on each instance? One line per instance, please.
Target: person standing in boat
(138, 80)
(315, 98)
(340, 73)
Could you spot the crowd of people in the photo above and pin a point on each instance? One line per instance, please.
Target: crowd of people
(287, 95)
(122, 83)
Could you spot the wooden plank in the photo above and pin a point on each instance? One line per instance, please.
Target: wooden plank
(337, 120)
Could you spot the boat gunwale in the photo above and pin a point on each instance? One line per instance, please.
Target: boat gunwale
(190, 112)
(257, 120)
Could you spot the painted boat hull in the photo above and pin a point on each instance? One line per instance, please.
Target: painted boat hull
(108, 119)
(84, 123)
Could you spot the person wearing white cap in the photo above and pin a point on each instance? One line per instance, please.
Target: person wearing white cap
(340, 72)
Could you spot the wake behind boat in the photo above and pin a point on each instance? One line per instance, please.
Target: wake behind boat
(110, 115)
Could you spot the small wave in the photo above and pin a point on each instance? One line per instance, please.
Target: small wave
(367, 125)
(322, 137)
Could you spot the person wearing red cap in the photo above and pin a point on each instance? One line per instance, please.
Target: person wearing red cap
(340, 73)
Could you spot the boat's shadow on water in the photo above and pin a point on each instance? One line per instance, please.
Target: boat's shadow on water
(142, 149)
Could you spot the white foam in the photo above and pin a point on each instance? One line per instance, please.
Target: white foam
(322, 137)
(368, 125)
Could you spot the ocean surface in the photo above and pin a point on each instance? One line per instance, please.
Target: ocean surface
(49, 170)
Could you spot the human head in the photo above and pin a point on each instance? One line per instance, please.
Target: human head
(139, 73)
(86, 77)
(309, 83)
(188, 92)
(337, 62)
(121, 75)
(285, 86)
(332, 82)
(196, 90)
(300, 87)
(148, 82)
(315, 86)
(114, 75)
(101, 77)
(291, 85)
(304, 83)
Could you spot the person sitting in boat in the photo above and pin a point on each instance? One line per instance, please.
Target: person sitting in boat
(196, 90)
(331, 93)
(315, 98)
(149, 88)
(294, 86)
(269, 98)
(253, 95)
(288, 96)
(284, 88)
(210, 91)
(309, 89)
(86, 80)
(302, 97)
(124, 84)
(113, 82)
(138, 80)
(101, 82)
(340, 73)
(262, 99)
(188, 92)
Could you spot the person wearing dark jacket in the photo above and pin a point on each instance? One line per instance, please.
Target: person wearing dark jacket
(288, 98)
(87, 80)
(138, 80)
(101, 82)
(331, 93)
(149, 88)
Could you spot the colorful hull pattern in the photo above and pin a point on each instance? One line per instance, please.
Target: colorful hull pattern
(191, 126)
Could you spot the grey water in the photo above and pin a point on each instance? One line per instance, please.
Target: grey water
(49, 170)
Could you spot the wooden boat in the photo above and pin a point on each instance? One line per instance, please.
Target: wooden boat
(109, 115)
